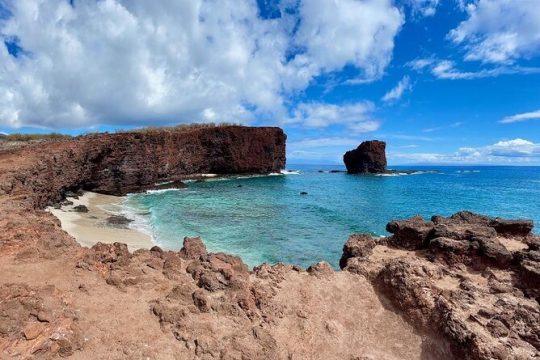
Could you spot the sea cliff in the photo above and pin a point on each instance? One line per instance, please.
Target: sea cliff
(465, 287)
(120, 163)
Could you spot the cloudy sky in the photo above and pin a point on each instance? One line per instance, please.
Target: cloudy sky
(442, 81)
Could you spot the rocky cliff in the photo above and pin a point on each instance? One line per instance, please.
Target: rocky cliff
(128, 162)
(368, 158)
(464, 287)
(471, 279)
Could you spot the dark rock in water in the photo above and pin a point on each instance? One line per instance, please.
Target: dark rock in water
(240, 185)
(118, 220)
(368, 158)
(337, 171)
(72, 194)
(303, 193)
(57, 206)
(66, 203)
(321, 171)
(80, 208)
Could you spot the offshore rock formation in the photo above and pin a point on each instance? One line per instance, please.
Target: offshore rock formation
(472, 279)
(368, 158)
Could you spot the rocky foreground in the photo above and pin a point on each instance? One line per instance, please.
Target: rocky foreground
(464, 287)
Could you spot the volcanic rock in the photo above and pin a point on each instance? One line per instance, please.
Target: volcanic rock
(470, 280)
(368, 158)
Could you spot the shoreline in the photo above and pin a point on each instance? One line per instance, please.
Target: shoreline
(91, 227)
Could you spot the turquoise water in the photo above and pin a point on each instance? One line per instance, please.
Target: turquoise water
(267, 220)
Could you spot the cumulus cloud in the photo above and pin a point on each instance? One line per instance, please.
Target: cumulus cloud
(122, 62)
(359, 33)
(355, 117)
(397, 92)
(499, 31)
(534, 115)
(503, 152)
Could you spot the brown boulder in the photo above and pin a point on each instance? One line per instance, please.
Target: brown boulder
(411, 234)
(193, 248)
(320, 269)
(357, 246)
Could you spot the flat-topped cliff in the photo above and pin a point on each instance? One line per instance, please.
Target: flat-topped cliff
(133, 161)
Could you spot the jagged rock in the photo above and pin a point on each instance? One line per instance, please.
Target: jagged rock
(368, 157)
(357, 246)
(494, 251)
(512, 227)
(479, 295)
(410, 234)
(462, 231)
(193, 248)
(320, 269)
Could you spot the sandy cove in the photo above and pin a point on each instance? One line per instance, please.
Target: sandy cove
(91, 227)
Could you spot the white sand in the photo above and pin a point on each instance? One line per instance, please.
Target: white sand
(92, 227)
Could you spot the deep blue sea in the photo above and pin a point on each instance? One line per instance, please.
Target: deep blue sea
(267, 220)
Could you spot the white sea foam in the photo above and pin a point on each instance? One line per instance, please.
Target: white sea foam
(140, 217)
(159, 191)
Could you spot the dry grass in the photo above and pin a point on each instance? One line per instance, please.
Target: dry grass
(181, 127)
(33, 137)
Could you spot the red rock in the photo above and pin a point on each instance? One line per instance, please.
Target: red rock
(368, 157)
(357, 246)
(33, 330)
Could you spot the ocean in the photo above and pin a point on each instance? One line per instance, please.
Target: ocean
(267, 219)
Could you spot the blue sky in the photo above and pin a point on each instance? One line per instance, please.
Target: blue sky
(443, 82)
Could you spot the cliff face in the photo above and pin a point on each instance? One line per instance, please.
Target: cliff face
(127, 162)
(368, 158)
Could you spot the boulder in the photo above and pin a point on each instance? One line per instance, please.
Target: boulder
(193, 248)
(320, 269)
(411, 234)
(512, 227)
(357, 246)
(80, 209)
(368, 158)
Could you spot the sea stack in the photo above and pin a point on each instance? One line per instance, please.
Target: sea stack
(368, 158)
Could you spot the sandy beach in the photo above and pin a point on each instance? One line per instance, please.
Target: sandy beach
(91, 227)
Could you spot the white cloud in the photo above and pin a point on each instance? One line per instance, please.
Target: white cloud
(446, 69)
(355, 117)
(397, 92)
(120, 61)
(503, 152)
(347, 32)
(424, 7)
(534, 115)
(499, 31)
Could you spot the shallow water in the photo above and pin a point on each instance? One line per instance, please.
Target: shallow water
(265, 219)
